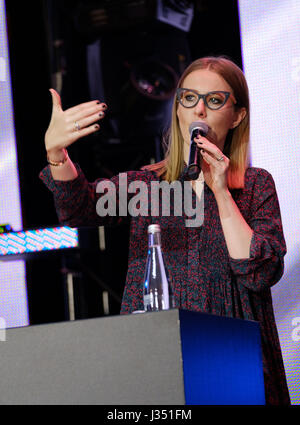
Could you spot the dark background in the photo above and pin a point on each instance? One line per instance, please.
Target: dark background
(48, 42)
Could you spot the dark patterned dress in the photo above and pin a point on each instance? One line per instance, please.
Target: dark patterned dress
(203, 275)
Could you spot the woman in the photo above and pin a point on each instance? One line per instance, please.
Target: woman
(227, 265)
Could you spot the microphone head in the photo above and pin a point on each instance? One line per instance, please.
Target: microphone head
(200, 126)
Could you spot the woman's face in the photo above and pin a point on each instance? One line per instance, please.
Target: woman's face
(219, 121)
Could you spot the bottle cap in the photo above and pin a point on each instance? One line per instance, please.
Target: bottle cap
(153, 228)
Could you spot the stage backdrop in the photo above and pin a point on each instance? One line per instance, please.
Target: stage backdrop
(13, 297)
(270, 35)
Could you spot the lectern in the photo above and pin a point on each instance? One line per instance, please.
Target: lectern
(173, 357)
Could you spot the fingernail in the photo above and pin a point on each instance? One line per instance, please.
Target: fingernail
(104, 106)
(101, 114)
(97, 127)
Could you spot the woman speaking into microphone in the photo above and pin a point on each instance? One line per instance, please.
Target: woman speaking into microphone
(227, 264)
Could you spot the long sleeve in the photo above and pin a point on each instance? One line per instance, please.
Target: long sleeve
(102, 202)
(265, 266)
(74, 200)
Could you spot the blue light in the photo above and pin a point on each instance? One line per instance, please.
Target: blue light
(26, 241)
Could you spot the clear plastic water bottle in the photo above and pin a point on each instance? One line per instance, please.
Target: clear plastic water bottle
(158, 294)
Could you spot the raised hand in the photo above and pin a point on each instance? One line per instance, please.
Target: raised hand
(66, 127)
(214, 165)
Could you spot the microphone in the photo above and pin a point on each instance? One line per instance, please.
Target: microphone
(193, 167)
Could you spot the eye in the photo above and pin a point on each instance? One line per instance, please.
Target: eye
(189, 97)
(215, 99)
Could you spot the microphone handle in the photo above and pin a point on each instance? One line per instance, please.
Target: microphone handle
(193, 168)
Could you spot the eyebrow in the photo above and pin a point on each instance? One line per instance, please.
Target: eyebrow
(210, 91)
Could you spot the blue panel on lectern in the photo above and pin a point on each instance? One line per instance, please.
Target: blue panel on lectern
(222, 360)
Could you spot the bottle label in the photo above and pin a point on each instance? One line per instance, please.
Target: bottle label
(148, 300)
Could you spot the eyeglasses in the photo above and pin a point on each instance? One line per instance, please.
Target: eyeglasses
(213, 100)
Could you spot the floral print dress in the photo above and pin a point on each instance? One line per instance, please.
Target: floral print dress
(203, 275)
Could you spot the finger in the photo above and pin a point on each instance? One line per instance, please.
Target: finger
(85, 122)
(82, 108)
(211, 159)
(202, 141)
(85, 113)
(85, 132)
(209, 147)
(206, 157)
(56, 100)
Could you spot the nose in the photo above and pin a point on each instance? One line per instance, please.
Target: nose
(200, 109)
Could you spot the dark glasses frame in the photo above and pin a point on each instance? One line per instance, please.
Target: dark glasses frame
(203, 96)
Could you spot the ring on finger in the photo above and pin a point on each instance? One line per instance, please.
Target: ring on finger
(221, 158)
(77, 126)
